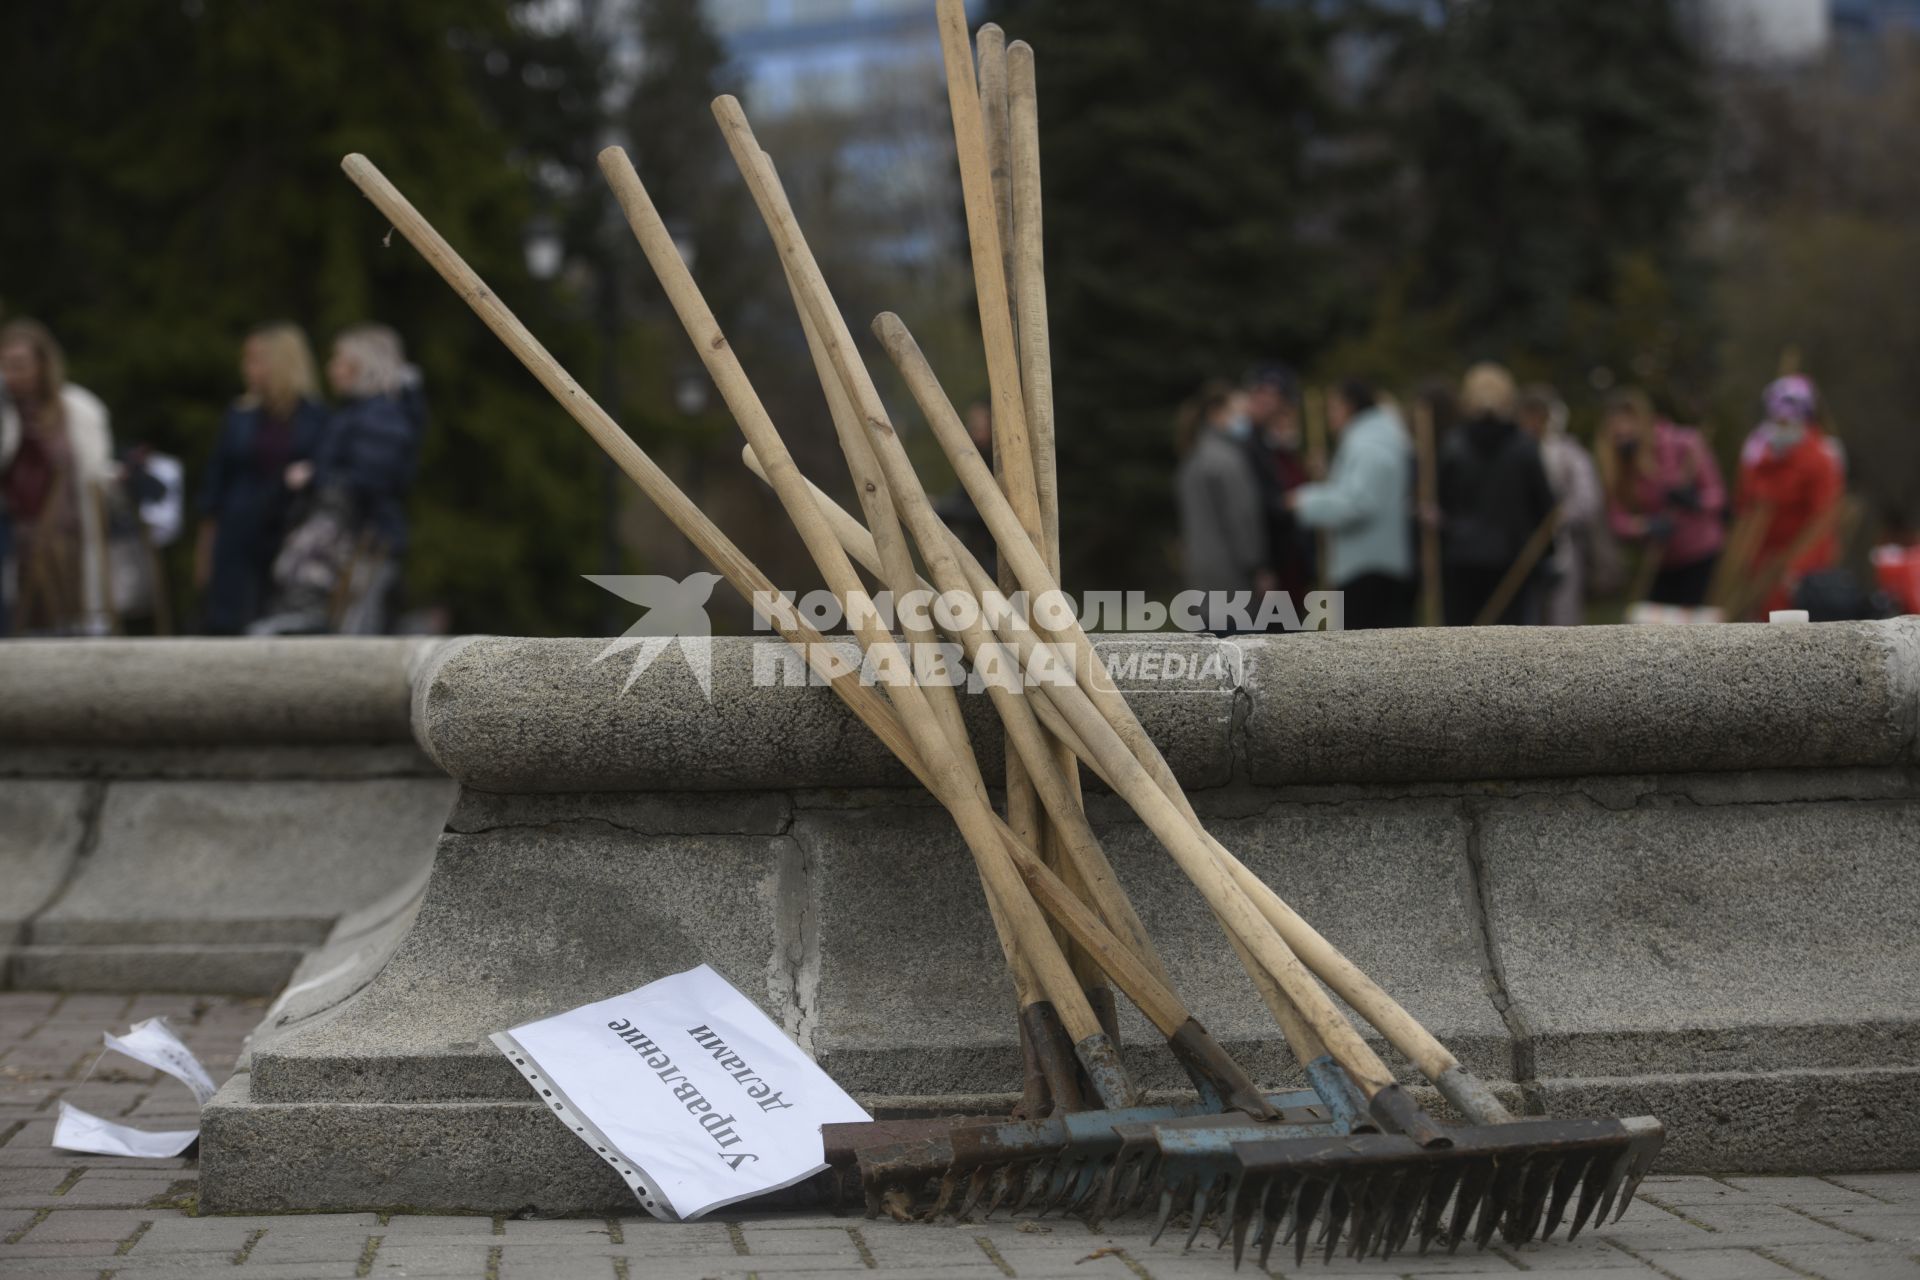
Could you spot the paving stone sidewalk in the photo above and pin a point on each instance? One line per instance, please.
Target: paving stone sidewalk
(64, 1215)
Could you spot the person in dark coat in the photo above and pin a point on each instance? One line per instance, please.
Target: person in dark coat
(1280, 466)
(1493, 495)
(246, 502)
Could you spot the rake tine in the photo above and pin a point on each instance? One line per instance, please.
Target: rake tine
(1068, 1186)
(1141, 1182)
(1037, 1176)
(1540, 1176)
(1051, 1191)
(1086, 1187)
(1375, 1207)
(1473, 1190)
(1265, 1217)
(1435, 1209)
(1198, 1213)
(1164, 1216)
(949, 1184)
(1499, 1198)
(1337, 1206)
(1241, 1222)
(1109, 1193)
(1405, 1212)
(1223, 1216)
(1572, 1173)
(1002, 1187)
(1272, 1221)
(976, 1187)
(1117, 1186)
(1616, 1177)
(1313, 1195)
(1590, 1188)
(1355, 1225)
(1643, 1155)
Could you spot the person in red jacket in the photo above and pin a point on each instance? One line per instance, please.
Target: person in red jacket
(1795, 471)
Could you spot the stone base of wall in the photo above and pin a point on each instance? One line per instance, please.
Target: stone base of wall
(200, 816)
(1609, 945)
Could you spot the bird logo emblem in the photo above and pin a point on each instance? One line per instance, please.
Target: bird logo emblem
(676, 615)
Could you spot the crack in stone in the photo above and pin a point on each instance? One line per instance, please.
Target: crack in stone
(1493, 969)
(93, 801)
(794, 967)
(594, 820)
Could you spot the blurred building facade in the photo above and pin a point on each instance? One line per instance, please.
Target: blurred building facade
(862, 81)
(1788, 32)
(824, 55)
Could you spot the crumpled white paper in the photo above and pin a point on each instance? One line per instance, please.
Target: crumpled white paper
(688, 1091)
(154, 1044)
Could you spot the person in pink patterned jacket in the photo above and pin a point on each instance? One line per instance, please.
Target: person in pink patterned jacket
(1663, 490)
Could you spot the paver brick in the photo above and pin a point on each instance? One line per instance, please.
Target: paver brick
(830, 1240)
(1718, 1264)
(1805, 1192)
(69, 1225)
(1583, 1273)
(1857, 1261)
(1896, 1188)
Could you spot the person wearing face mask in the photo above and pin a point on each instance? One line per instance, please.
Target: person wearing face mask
(1223, 534)
(1664, 491)
(1794, 470)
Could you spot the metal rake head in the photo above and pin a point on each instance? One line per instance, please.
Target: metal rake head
(1369, 1193)
(963, 1167)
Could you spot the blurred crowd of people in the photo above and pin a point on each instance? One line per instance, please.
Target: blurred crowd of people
(1475, 504)
(302, 504)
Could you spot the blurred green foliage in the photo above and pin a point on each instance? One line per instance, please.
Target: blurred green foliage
(173, 179)
(1363, 188)
(1352, 189)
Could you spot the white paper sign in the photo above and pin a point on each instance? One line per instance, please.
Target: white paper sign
(154, 1044)
(78, 1130)
(686, 1089)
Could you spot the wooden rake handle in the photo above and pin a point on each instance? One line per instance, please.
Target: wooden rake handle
(746, 578)
(1516, 575)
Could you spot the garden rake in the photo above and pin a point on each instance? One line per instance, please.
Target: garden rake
(1385, 1099)
(1036, 1146)
(1370, 1189)
(1132, 963)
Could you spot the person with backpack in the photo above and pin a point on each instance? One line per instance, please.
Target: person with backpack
(1664, 491)
(1493, 496)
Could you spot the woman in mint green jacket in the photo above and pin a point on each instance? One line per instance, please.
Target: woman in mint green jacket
(1365, 509)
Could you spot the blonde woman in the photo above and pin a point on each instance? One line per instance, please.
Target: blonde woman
(276, 424)
(342, 567)
(56, 456)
